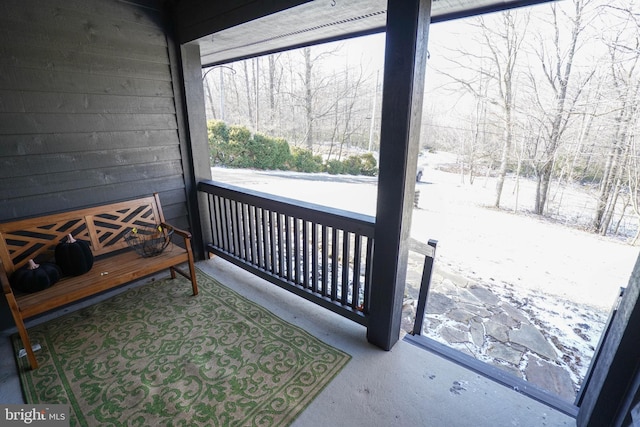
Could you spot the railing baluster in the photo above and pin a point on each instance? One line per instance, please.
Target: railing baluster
(274, 243)
(335, 252)
(305, 254)
(252, 233)
(260, 238)
(357, 259)
(248, 254)
(211, 199)
(314, 257)
(346, 256)
(216, 220)
(296, 251)
(266, 235)
(286, 259)
(367, 276)
(225, 224)
(237, 229)
(325, 261)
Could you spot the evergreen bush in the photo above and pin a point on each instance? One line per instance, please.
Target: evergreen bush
(236, 146)
(303, 160)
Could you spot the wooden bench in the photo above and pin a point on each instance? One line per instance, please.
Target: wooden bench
(115, 264)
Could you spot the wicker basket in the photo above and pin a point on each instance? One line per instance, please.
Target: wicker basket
(147, 241)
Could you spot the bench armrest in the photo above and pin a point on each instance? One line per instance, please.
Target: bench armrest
(182, 233)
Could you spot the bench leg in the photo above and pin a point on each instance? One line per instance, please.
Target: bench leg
(24, 336)
(192, 268)
(194, 283)
(191, 276)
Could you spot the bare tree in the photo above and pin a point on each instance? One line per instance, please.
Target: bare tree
(495, 62)
(275, 88)
(557, 63)
(308, 99)
(624, 58)
(209, 95)
(248, 91)
(511, 38)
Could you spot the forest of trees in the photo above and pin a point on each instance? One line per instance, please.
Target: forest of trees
(548, 93)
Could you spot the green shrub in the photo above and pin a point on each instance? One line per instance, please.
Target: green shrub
(361, 164)
(303, 160)
(234, 152)
(217, 131)
(335, 167)
(218, 134)
(239, 135)
(269, 153)
(368, 165)
(235, 146)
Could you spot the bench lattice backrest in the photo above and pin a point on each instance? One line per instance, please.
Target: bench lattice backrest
(104, 227)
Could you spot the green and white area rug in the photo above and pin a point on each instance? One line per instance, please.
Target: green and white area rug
(157, 356)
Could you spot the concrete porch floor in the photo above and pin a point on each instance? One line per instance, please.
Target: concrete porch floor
(406, 386)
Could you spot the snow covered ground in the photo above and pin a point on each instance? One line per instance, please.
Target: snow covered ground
(521, 249)
(565, 279)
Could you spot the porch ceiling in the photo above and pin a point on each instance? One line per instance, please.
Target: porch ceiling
(322, 21)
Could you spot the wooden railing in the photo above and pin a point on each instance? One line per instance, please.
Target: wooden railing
(319, 253)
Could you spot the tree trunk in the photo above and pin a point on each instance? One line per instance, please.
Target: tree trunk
(210, 98)
(308, 100)
(542, 189)
(336, 124)
(610, 211)
(272, 86)
(256, 81)
(504, 159)
(618, 155)
(559, 80)
(606, 187)
(248, 89)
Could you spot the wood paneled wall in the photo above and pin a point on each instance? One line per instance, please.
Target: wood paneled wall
(87, 108)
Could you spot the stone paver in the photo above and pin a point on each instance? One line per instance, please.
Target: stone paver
(497, 331)
(550, 377)
(504, 352)
(477, 333)
(478, 310)
(474, 320)
(439, 304)
(513, 312)
(454, 335)
(530, 337)
(484, 295)
(459, 315)
(506, 320)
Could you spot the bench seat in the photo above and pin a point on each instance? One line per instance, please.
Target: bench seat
(106, 273)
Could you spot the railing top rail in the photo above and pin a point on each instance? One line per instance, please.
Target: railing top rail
(345, 220)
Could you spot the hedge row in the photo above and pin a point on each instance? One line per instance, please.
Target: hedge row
(237, 147)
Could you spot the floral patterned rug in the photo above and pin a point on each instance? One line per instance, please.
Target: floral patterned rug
(156, 355)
